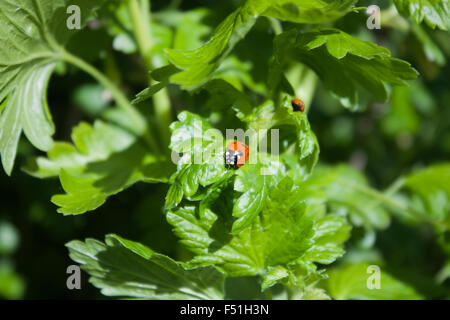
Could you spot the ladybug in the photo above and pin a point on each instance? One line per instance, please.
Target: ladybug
(298, 105)
(236, 154)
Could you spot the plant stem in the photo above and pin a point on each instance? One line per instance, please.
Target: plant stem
(122, 101)
(163, 113)
(141, 16)
(118, 95)
(393, 188)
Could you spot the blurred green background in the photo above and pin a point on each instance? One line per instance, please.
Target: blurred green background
(385, 141)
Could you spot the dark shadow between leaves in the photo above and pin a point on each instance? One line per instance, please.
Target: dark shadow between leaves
(221, 229)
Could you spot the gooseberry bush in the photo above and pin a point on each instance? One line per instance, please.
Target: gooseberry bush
(295, 232)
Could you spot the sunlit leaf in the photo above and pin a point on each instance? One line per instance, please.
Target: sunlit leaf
(103, 161)
(125, 268)
(353, 281)
(430, 189)
(198, 65)
(345, 188)
(32, 35)
(287, 234)
(435, 13)
(200, 161)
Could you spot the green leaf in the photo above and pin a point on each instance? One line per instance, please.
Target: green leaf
(309, 11)
(223, 95)
(161, 75)
(401, 116)
(103, 161)
(266, 117)
(435, 13)
(311, 293)
(201, 162)
(190, 30)
(125, 268)
(273, 276)
(31, 37)
(189, 133)
(430, 180)
(431, 191)
(351, 282)
(187, 180)
(289, 232)
(119, 24)
(431, 50)
(346, 65)
(255, 189)
(307, 142)
(242, 74)
(345, 189)
(198, 65)
(330, 232)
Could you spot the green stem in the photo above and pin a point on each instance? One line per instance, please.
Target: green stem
(393, 188)
(141, 16)
(122, 101)
(163, 113)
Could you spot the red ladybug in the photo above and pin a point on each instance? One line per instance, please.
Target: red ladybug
(236, 154)
(298, 105)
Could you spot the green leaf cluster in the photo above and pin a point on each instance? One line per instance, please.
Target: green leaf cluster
(103, 160)
(31, 42)
(282, 243)
(198, 65)
(347, 66)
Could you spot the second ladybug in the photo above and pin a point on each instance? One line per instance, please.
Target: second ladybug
(298, 105)
(236, 154)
